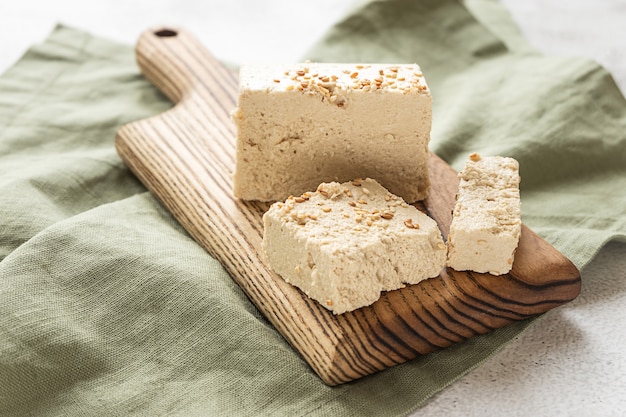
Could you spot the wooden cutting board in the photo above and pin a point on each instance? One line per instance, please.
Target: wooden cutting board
(186, 157)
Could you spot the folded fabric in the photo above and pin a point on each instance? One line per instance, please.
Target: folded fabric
(108, 307)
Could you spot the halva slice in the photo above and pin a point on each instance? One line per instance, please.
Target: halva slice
(303, 124)
(345, 243)
(486, 222)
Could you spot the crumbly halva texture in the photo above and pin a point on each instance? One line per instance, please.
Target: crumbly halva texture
(303, 124)
(486, 222)
(344, 244)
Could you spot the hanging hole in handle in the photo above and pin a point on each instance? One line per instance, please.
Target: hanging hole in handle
(166, 33)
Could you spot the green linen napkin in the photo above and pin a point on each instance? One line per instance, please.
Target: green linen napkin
(107, 307)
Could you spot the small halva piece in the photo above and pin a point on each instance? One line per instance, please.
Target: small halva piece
(345, 243)
(303, 124)
(486, 222)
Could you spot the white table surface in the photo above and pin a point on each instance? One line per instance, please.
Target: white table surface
(573, 360)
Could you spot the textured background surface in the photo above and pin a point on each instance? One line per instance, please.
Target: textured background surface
(571, 362)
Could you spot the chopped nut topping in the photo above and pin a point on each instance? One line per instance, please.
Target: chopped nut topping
(475, 157)
(409, 223)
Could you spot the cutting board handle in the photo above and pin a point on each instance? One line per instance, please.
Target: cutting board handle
(178, 64)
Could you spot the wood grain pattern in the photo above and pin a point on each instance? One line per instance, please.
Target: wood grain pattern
(185, 156)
